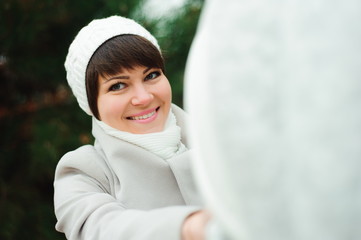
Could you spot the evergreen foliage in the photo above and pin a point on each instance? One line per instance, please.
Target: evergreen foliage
(39, 118)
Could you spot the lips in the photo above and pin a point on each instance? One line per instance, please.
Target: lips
(144, 115)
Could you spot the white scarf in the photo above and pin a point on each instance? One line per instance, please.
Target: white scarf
(165, 144)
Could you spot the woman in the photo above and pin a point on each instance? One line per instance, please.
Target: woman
(135, 181)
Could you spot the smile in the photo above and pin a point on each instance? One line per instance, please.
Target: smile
(145, 116)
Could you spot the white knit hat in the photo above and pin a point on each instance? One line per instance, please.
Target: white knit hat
(87, 42)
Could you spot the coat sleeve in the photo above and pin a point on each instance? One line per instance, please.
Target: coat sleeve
(85, 209)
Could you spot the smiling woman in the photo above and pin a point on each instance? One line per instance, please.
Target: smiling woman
(135, 181)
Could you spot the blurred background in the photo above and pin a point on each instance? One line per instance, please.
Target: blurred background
(39, 118)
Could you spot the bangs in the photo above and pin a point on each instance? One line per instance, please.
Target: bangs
(125, 52)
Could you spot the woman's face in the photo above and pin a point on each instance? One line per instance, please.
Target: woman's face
(135, 100)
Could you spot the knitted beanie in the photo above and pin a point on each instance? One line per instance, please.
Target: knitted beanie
(87, 42)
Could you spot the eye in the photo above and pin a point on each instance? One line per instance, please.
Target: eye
(152, 75)
(117, 86)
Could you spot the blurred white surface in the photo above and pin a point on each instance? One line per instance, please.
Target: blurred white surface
(274, 93)
(160, 8)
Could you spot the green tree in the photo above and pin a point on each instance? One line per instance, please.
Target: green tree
(39, 118)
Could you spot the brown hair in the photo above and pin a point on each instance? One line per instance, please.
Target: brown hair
(118, 53)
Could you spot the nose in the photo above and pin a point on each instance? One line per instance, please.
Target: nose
(141, 96)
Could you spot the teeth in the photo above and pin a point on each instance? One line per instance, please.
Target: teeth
(143, 117)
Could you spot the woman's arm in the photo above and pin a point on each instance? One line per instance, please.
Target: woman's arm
(85, 209)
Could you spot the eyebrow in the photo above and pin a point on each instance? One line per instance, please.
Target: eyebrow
(146, 70)
(125, 77)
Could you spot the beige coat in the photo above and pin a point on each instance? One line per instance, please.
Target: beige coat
(117, 190)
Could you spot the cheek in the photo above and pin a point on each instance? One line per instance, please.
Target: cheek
(110, 107)
(166, 92)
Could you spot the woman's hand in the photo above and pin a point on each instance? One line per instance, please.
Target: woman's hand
(194, 225)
